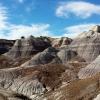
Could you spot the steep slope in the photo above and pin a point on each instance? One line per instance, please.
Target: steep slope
(10, 95)
(35, 80)
(66, 55)
(87, 44)
(5, 45)
(92, 69)
(47, 56)
(28, 47)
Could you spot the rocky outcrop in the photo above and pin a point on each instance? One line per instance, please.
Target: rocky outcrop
(87, 44)
(28, 86)
(47, 56)
(5, 45)
(66, 54)
(26, 47)
(96, 28)
(97, 98)
(61, 42)
(92, 69)
(35, 80)
(10, 95)
(52, 55)
(21, 82)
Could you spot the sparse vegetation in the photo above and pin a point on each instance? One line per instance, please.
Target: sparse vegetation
(85, 89)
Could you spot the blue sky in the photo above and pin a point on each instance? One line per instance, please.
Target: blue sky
(47, 17)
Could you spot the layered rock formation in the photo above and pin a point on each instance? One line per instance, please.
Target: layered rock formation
(10, 95)
(28, 47)
(87, 44)
(66, 54)
(5, 45)
(46, 68)
(61, 42)
(92, 69)
(16, 80)
(35, 80)
(47, 56)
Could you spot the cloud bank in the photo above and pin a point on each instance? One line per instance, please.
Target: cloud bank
(80, 9)
(12, 31)
(16, 31)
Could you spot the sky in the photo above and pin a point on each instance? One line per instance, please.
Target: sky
(55, 18)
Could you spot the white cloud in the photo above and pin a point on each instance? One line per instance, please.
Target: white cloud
(73, 31)
(80, 9)
(13, 31)
(16, 31)
(3, 17)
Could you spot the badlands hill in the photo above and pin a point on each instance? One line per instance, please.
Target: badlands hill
(45, 68)
(5, 45)
(87, 44)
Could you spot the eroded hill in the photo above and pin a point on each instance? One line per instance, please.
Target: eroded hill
(46, 68)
